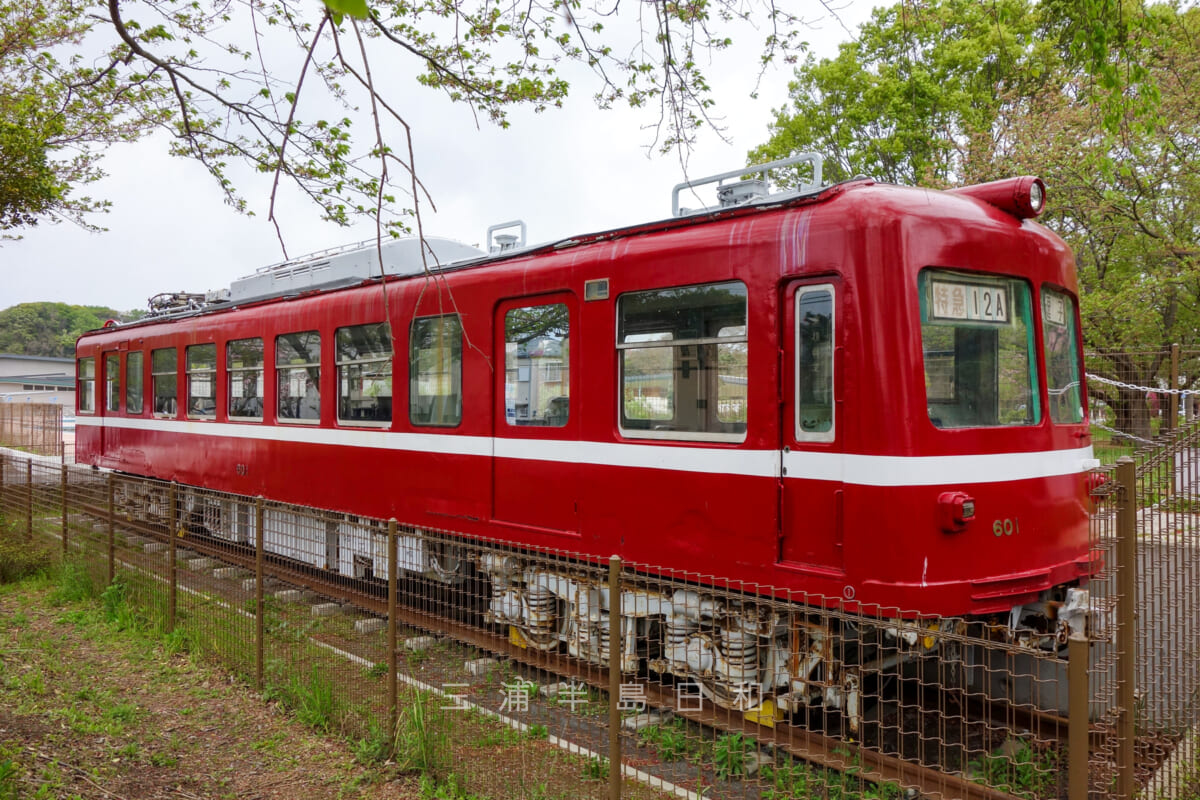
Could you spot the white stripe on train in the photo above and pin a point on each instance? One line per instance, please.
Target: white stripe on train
(863, 470)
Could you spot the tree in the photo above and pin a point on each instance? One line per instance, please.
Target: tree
(214, 78)
(952, 92)
(50, 329)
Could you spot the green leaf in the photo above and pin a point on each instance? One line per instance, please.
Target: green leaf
(351, 8)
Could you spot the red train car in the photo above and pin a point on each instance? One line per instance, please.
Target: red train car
(862, 391)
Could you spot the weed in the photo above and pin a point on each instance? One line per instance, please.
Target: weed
(730, 754)
(75, 583)
(422, 738)
(669, 740)
(10, 775)
(595, 769)
(537, 732)
(314, 700)
(21, 559)
(377, 746)
(501, 737)
(449, 789)
(163, 760)
(378, 669)
(1021, 773)
(129, 751)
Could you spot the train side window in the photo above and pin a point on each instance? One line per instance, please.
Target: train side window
(164, 370)
(112, 382)
(364, 365)
(537, 365)
(435, 371)
(298, 376)
(683, 357)
(133, 382)
(202, 381)
(1061, 340)
(244, 365)
(87, 385)
(814, 364)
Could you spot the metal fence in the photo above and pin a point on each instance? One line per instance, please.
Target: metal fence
(479, 664)
(34, 427)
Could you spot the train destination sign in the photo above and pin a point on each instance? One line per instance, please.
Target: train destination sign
(969, 301)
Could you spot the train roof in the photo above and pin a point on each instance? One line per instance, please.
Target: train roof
(356, 264)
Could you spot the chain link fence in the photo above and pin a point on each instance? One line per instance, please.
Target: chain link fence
(496, 670)
(34, 427)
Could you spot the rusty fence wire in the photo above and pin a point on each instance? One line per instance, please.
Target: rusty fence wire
(34, 427)
(497, 670)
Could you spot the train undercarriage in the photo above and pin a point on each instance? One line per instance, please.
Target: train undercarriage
(760, 655)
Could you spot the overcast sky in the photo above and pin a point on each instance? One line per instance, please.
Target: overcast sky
(564, 172)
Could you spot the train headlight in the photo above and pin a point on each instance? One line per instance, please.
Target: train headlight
(1037, 197)
(956, 510)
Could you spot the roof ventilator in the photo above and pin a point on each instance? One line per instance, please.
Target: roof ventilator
(505, 242)
(750, 191)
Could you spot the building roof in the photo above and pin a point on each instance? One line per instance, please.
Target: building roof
(42, 379)
(23, 357)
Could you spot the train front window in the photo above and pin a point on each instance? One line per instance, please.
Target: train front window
(133, 382)
(87, 385)
(364, 365)
(164, 371)
(1061, 340)
(202, 381)
(683, 355)
(244, 364)
(977, 340)
(112, 382)
(298, 375)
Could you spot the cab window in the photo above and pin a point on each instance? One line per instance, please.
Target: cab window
(1060, 337)
(87, 385)
(977, 344)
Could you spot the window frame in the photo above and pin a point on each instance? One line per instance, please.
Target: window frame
(455, 374)
(340, 363)
(112, 382)
(800, 434)
(135, 378)
(684, 435)
(211, 372)
(173, 374)
(1072, 327)
(537, 373)
(308, 366)
(235, 376)
(85, 386)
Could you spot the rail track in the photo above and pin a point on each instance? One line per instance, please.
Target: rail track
(431, 614)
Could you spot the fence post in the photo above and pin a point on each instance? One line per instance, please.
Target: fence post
(1079, 694)
(112, 537)
(64, 510)
(3, 468)
(259, 607)
(614, 678)
(1173, 399)
(393, 707)
(29, 497)
(1126, 633)
(171, 523)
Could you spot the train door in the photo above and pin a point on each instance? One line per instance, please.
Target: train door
(535, 477)
(110, 404)
(811, 431)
